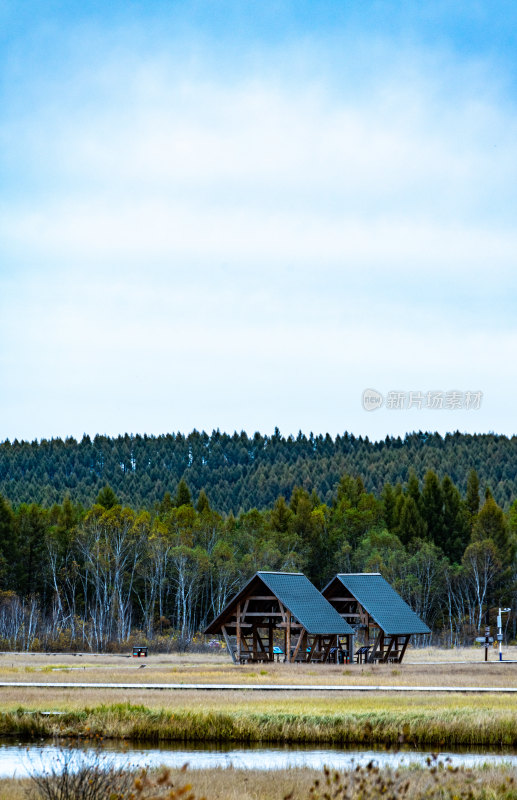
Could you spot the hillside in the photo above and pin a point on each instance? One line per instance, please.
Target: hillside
(239, 472)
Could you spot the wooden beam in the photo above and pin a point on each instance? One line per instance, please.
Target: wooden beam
(259, 641)
(298, 643)
(327, 649)
(264, 614)
(270, 641)
(263, 597)
(349, 614)
(232, 623)
(228, 644)
(393, 641)
(378, 641)
(404, 647)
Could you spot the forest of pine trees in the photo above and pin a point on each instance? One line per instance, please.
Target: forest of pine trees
(96, 575)
(239, 472)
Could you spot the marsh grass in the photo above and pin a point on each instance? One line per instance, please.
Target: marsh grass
(421, 727)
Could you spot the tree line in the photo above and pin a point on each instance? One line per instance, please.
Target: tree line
(240, 472)
(105, 575)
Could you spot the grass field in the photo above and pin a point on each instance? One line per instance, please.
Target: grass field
(431, 667)
(425, 719)
(419, 784)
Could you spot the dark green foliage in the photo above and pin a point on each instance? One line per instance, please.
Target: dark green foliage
(472, 498)
(202, 504)
(7, 543)
(411, 525)
(30, 552)
(389, 501)
(182, 497)
(432, 509)
(107, 498)
(491, 524)
(456, 526)
(240, 471)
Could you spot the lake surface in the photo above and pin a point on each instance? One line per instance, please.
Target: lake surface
(18, 759)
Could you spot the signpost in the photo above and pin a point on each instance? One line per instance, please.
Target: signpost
(487, 640)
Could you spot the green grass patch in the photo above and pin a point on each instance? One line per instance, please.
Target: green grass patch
(420, 727)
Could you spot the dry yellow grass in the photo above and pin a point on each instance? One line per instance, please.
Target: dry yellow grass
(430, 667)
(232, 784)
(12, 698)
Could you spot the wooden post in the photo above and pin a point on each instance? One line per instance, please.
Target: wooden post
(379, 644)
(350, 639)
(238, 649)
(404, 646)
(254, 640)
(387, 654)
(270, 640)
(228, 644)
(327, 650)
(298, 643)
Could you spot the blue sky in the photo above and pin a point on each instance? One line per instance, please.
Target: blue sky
(241, 215)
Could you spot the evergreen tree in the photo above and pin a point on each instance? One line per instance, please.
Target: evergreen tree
(166, 505)
(455, 520)
(182, 497)
(491, 524)
(107, 498)
(413, 490)
(8, 544)
(412, 525)
(31, 551)
(388, 506)
(202, 505)
(472, 498)
(280, 516)
(432, 509)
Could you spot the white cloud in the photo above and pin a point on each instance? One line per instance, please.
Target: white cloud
(200, 254)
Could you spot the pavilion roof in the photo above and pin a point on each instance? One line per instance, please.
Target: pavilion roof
(380, 600)
(295, 591)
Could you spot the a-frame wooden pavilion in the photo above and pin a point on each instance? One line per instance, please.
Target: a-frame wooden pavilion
(287, 608)
(368, 602)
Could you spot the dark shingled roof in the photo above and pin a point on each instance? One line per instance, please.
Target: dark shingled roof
(385, 606)
(305, 602)
(301, 597)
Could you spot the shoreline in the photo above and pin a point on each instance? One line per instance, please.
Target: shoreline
(125, 722)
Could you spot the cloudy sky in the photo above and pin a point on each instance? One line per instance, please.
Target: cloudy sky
(243, 214)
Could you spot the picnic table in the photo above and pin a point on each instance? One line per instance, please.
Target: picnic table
(361, 655)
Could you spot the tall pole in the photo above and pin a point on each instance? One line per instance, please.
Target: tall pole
(500, 634)
(500, 629)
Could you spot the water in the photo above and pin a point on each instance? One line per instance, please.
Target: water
(20, 760)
